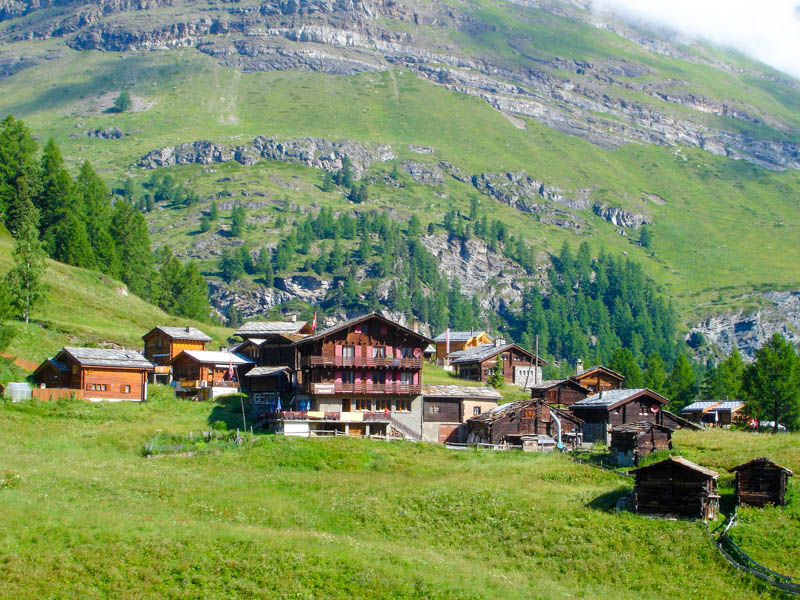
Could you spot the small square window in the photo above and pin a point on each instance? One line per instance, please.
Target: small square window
(476, 410)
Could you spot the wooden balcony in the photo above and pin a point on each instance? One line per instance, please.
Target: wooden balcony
(361, 361)
(202, 383)
(362, 388)
(339, 417)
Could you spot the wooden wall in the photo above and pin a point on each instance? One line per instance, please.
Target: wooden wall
(667, 489)
(598, 380)
(116, 384)
(761, 484)
(442, 410)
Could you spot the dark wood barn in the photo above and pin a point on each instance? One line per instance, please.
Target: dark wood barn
(508, 422)
(676, 487)
(477, 363)
(608, 408)
(563, 392)
(760, 482)
(632, 441)
(598, 378)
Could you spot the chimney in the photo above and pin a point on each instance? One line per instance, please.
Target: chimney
(188, 329)
(293, 318)
(414, 325)
(499, 342)
(579, 367)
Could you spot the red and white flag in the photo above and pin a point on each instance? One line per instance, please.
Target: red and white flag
(314, 322)
(230, 369)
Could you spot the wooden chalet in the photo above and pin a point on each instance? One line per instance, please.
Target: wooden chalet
(453, 341)
(208, 374)
(447, 407)
(562, 392)
(632, 441)
(273, 350)
(716, 413)
(605, 409)
(362, 377)
(761, 482)
(676, 487)
(162, 344)
(265, 329)
(96, 374)
(509, 423)
(598, 378)
(269, 385)
(476, 363)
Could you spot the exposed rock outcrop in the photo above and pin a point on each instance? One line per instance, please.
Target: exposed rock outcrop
(312, 152)
(305, 287)
(109, 133)
(621, 217)
(748, 330)
(424, 174)
(249, 300)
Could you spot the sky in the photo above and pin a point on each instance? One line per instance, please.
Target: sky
(768, 30)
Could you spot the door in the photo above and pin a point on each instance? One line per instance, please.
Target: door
(346, 405)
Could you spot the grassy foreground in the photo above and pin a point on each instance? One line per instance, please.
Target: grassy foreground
(86, 515)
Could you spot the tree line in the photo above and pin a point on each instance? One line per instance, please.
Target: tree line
(76, 221)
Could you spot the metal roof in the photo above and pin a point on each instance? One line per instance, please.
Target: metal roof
(609, 398)
(108, 357)
(266, 371)
(680, 461)
(482, 352)
(760, 461)
(181, 333)
(261, 327)
(461, 391)
(217, 357)
(459, 336)
(702, 405)
(355, 321)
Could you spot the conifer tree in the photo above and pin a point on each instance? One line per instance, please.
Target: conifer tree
(682, 383)
(213, 211)
(771, 383)
(193, 297)
(19, 174)
(132, 239)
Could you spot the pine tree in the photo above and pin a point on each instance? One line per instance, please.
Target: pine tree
(269, 276)
(327, 182)
(123, 102)
(24, 281)
(414, 227)
(57, 195)
(336, 260)
(193, 298)
(213, 211)
(234, 317)
(238, 220)
(771, 383)
(230, 265)
(132, 239)
(655, 377)
(19, 174)
(624, 363)
(682, 384)
(645, 237)
(205, 224)
(473, 207)
(70, 242)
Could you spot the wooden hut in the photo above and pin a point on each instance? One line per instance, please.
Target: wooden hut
(563, 392)
(509, 422)
(617, 407)
(598, 378)
(632, 441)
(760, 482)
(676, 487)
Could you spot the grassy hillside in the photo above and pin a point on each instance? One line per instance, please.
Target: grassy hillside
(84, 514)
(86, 307)
(721, 222)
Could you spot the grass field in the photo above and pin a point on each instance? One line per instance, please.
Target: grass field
(86, 515)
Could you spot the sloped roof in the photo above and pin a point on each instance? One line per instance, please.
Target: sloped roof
(256, 328)
(483, 352)
(679, 460)
(610, 398)
(639, 427)
(108, 357)
(682, 422)
(760, 462)
(551, 383)
(460, 336)
(495, 413)
(355, 321)
(594, 368)
(180, 333)
(58, 365)
(461, 391)
(267, 371)
(728, 405)
(700, 406)
(217, 357)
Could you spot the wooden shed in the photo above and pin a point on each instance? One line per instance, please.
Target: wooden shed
(508, 422)
(632, 441)
(760, 482)
(676, 487)
(563, 392)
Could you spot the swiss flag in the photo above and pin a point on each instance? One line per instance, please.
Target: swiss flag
(314, 322)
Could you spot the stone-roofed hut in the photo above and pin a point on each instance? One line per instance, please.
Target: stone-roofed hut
(563, 392)
(262, 329)
(676, 487)
(632, 441)
(95, 374)
(509, 422)
(601, 411)
(760, 482)
(476, 363)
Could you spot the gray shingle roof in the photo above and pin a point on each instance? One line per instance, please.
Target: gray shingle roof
(461, 391)
(266, 371)
(608, 398)
(597, 368)
(108, 357)
(217, 357)
(695, 406)
(728, 405)
(681, 461)
(458, 336)
(760, 461)
(479, 353)
(354, 321)
(252, 328)
(182, 333)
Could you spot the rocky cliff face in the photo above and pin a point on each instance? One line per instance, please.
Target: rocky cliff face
(588, 99)
(750, 329)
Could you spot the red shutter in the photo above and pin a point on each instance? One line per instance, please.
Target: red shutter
(337, 350)
(416, 378)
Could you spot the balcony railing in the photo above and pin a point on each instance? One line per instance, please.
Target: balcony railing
(362, 388)
(202, 383)
(386, 362)
(342, 417)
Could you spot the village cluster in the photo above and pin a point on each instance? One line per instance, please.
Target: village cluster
(363, 377)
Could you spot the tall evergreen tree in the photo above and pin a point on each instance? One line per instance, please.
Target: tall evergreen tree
(681, 384)
(771, 383)
(24, 282)
(132, 239)
(193, 297)
(19, 175)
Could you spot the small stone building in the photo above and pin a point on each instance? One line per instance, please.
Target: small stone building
(632, 441)
(676, 487)
(761, 482)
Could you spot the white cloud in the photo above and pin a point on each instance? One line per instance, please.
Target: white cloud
(768, 30)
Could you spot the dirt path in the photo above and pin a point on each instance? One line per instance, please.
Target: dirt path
(25, 364)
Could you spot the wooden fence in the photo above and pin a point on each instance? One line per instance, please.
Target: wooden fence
(55, 394)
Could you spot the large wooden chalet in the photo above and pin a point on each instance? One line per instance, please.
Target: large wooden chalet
(162, 344)
(96, 374)
(760, 482)
(477, 362)
(362, 377)
(509, 423)
(207, 374)
(676, 487)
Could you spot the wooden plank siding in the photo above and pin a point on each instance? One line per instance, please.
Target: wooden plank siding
(761, 482)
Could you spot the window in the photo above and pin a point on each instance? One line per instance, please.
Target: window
(403, 405)
(379, 378)
(382, 404)
(363, 404)
(642, 409)
(125, 389)
(407, 352)
(159, 343)
(476, 410)
(379, 352)
(349, 377)
(407, 378)
(434, 409)
(348, 351)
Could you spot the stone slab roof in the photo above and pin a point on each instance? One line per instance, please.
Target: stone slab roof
(108, 357)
